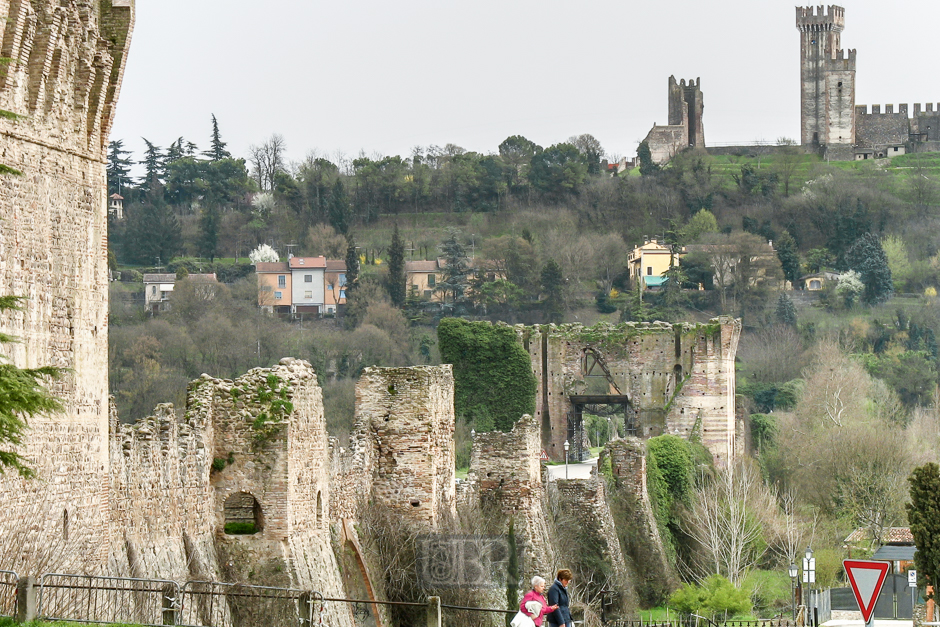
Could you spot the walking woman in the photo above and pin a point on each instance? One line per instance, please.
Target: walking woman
(537, 593)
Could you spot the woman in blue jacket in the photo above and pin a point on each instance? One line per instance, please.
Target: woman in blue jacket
(558, 595)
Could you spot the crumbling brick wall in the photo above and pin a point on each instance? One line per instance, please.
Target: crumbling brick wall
(402, 449)
(64, 78)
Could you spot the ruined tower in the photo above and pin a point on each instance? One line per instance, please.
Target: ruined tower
(827, 78)
(66, 65)
(686, 107)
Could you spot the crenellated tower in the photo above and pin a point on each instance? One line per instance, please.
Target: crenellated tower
(686, 108)
(827, 77)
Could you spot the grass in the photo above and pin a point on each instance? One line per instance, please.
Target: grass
(462, 473)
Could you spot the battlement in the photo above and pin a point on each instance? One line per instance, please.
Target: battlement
(903, 109)
(818, 19)
(841, 61)
(692, 83)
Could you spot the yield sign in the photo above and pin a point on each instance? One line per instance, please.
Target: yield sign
(867, 578)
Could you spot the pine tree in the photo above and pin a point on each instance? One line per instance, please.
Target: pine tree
(645, 157)
(153, 231)
(785, 312)
(456, 270)
(209, 223)
(217, 151)
(352, 265)
(22, 396)
(339, 208)
(119, 168)
(153, 165)
(867, 257)
(923, 515)
(789, 256)
(397, 280)
(552, 281)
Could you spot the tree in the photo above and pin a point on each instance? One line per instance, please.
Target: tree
(153, 233)
(217, 150)
(397, 280)
(789, 256)
(209, 225)
(352, 266)
(702, 222)
(339, 208)
(455, 273)
(923, 515)
(867, 257)
(645, 157)
(153, 166)
(263, 254)
(516, 153)
(558, 171)
(552, 282)
(744, 266)
(786, 161)
(785, 311)
(591, 150)
(22, 396)
(267, 160)
(119, 167)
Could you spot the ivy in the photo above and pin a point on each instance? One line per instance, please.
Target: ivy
(276, 407)
(493, 380)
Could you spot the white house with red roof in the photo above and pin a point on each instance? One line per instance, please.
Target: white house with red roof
(307, 284)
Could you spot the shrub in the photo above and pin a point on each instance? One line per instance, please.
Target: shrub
(716, 595)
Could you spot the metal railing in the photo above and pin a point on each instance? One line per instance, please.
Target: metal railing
(95, 599)
(8, 580)
(216, 604)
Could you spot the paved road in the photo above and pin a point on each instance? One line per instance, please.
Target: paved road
(575, 471)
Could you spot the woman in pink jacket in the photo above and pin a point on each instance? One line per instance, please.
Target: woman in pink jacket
(537, 593)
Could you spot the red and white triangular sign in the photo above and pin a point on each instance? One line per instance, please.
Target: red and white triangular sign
(866, 578)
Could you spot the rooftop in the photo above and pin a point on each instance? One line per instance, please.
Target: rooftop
(307, 262)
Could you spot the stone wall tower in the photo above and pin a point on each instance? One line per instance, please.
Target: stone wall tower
(686, 107)
(67, 60)
(827, 78)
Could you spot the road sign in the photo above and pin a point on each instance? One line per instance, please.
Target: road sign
(866, 578)
(543, 456)
(912, 578)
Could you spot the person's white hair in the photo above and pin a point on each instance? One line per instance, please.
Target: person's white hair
(537, 580)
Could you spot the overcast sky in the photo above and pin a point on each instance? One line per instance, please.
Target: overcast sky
(383, 77)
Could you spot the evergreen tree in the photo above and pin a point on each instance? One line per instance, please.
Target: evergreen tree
(209, 223)
(352, 265)
(153, 232)
(645, 157)
(153, 165)
(397, 280)
(339, 208)
(119, 168)
(923, 515)
(217, 150)
(789, 257)
(867, 257)
(456, 271)
(785, 312)
(22, 396)
(552, 282)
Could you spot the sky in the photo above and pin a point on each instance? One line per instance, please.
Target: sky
(373, 77)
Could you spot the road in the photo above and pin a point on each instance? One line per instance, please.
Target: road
(575, 471)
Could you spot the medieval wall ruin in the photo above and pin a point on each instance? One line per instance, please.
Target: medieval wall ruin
(67, 61)
(685, 128)
(678, 378)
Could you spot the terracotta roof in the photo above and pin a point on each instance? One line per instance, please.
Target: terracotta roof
(271, 266)
(892, 535)
(307, 262)
(422, 266)
(116, 196)
(335, 265)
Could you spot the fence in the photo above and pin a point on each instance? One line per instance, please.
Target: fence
(8, 580)
(93, 599)
(223, 604)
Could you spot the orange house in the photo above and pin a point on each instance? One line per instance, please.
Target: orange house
(274, 287)
(334, 286)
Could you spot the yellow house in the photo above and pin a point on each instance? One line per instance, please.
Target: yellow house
(274, 287)
(648, 263)
(423, 277)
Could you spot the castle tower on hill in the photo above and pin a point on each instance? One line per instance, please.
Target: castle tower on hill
(827, 78)
(686, 107)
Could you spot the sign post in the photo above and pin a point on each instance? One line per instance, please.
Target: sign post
(912, 584)
(866, 578)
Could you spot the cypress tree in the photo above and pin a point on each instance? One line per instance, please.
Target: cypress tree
(923, 515)
(867, 257)
(209, 223)
(785, 312)
(789, 257)
(397, 279)
(217, 150)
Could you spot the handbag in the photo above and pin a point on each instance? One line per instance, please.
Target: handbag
(521, 620)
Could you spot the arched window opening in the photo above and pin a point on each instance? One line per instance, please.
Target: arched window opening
(243, 514)
(319, 510)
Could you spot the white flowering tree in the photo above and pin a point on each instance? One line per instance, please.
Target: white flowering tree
(849, 288)
(263, 254)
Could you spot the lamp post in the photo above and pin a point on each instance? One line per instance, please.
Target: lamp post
(566, 458)
(809, 577)
(793, 573)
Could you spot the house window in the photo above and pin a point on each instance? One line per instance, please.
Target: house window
(342, 280)
(329, 287)
(308, 295)
(342, 293)
(427, 293)
(649, 270)
(153, 290)
(431, 280)
(281, 280)
(308, 278)
(164, 295)
(277, 295)
(815, 284)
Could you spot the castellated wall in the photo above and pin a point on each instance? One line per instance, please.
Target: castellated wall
(68, 58)
(401, 452)
(678, 378)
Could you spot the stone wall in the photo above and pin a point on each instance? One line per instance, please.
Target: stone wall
(68, 58)
(505, 473)
(401, 453)
(677, 377)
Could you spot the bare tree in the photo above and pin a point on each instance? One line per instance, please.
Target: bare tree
(267, 160)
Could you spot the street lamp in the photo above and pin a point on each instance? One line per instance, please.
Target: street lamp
(809, 577)
(793, 573)
(566, 458)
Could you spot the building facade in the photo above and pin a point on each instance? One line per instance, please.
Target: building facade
(307, 285)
